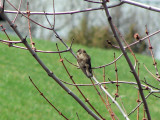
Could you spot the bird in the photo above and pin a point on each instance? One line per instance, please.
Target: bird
(84, 62)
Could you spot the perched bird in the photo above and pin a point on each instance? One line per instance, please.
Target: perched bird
(84, 62)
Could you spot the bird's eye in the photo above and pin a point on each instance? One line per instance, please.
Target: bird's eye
(78, 51)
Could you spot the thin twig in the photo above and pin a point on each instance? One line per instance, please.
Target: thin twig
(71, 62)
(157, 78)
(138, 4)
(48, 20)
(4, 30)
(24, 48)
(54, 18)
(61, 13)
(101, 83)
(117, 85)
(77, 116)
(151, 51)
(17, 11)
(108, 63)
(139, 104)
(156, 96)
(60, 113)
(138, 100)
(150, 84)
(112, 114)
(89, 9)
(62, 41)
(91, 1)
(29, 26)
(6, 41)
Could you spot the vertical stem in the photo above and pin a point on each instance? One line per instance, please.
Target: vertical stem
(127, 58)
(29, 26)
(138, 100)
(152, 54)
(54, 20)
(117, 85)
(108, 104)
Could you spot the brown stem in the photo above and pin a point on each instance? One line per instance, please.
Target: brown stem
(117, 85)
(4, 30)
(60, 113)
(29, 25)
(17, 11)
(151, 51)
(138, 100)
(108, 104)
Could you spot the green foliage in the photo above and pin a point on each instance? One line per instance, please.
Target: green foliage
(96, 36)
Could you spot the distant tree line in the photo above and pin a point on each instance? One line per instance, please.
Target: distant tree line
(98, 36)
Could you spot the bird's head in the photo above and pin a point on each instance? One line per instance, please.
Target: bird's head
(81, 51)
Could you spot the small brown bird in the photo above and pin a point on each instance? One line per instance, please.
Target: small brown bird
(84, 62)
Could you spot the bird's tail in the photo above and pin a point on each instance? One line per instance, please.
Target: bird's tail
(89, 72)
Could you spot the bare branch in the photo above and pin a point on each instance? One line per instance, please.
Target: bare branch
(6, 41)
(108, 63)
(18, 11)
(24, 48)
(139, 104)
(150, 84)
(91, 1)
(60, 113)
(60, 13)
(157, 78)
(138, 4)
(151, 51)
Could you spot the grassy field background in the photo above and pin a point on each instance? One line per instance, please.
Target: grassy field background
(19, 100)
